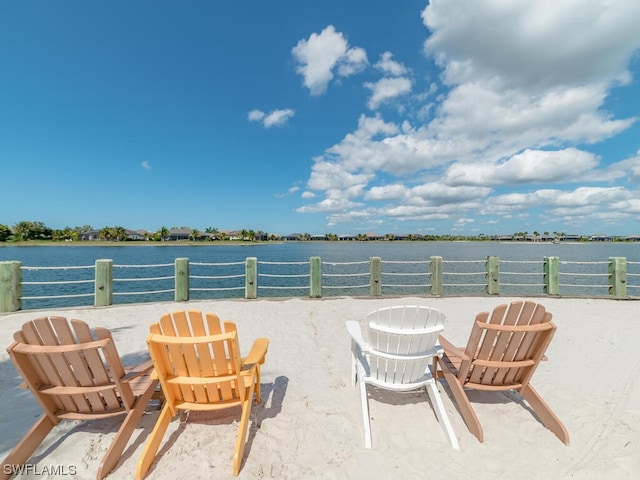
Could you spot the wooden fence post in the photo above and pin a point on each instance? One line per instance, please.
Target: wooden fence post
(315, 276)
(251, 278)
(10, 286)
(103, 291)
(182, 280)
(493, 275)
(618, 276)
(375, 277)
(551, 269)
(436, 276)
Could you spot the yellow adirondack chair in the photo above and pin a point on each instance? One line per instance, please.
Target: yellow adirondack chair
(199, 367)
(503, 352)
(76, 375)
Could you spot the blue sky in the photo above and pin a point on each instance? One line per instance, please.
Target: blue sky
(445, 117)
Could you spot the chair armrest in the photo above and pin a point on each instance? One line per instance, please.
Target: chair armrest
(144, 368)
(258, 352)
(354, 330)
(451, 350)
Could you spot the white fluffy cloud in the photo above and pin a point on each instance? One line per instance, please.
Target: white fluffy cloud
(521, 101)
(530, 166)
(324, 55)
(394, 84)
(389, 66)
(276, 118)
(387, 88)
(532, 45)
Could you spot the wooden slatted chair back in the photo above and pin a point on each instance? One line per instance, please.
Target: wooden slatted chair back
(73, 373)
(402, 341)
(506, 346)
(197, 361)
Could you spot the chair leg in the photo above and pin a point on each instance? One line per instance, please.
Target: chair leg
(121, 439)
(366, 422)
(26, 447)
(443, 418)
(354, 369)
(464, 406)
(544, 412)
(242, 430)
(153, 443)
(257, 384)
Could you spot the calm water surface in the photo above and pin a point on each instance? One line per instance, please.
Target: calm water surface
(329, 252)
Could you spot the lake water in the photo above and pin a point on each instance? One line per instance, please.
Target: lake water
(520, 268)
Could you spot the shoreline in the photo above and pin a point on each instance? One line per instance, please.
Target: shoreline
(185, 243)
(309, 424)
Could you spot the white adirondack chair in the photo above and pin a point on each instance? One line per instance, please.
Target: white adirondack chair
(394, 351)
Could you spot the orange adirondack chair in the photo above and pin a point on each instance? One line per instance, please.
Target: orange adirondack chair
(76, 375)
(199, 367)
(503, 352)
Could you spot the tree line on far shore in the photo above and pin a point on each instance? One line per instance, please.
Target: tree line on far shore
(29, 231)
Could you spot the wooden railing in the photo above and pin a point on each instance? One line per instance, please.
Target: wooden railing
(184, 280)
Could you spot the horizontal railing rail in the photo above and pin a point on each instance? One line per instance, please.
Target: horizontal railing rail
(47, 286)
(134, 275)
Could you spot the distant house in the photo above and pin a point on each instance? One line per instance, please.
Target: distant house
(570, 238)
(346, 238)
(90, 235)
(293, 237)
(93, 235)
(374, 236)
(178, 234)
(632, 238)
(136, 235)
(232, 234)
(600, 237)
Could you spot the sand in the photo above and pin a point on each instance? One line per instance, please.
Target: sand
(309, 425)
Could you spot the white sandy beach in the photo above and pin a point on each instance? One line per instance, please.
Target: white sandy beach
(309, 424)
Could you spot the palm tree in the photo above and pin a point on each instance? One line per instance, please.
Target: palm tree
(163, 233)
(195, 234)
(120, 233)
(106, 234)
(21, 230)
(5, 233)
(213, 232)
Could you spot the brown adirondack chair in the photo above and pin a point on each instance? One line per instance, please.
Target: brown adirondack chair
(503, 352)
(76, 375)
(199, 367)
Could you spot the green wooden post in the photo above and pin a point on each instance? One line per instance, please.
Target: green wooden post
(251, 278)
(493, 275)
(315, 275)
(10, 286)
(375, 277)
(618, 276)
(182, 280)
(551, 270)
(103, 291)
(436, 276)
